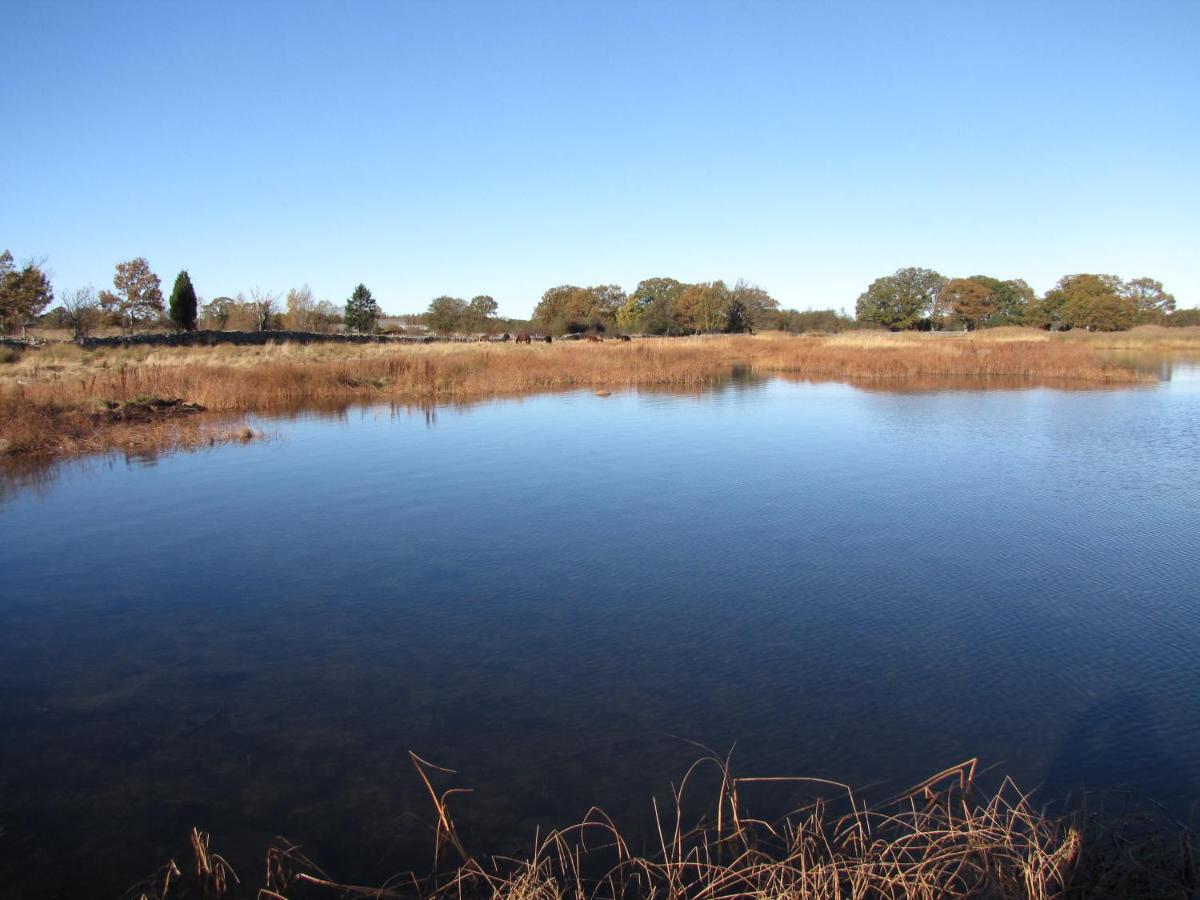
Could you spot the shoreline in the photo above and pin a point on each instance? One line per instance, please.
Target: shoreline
(56, 401)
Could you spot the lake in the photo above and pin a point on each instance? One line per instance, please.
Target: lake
(561, 596)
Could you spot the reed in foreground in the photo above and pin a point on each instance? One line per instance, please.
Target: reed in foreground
(54, 401)
(945, 838)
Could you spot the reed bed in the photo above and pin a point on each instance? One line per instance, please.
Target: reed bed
(49, 397)
(944, 838)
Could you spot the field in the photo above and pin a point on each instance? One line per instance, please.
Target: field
(62, 400)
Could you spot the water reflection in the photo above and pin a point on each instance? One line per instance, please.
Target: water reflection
(553, 594)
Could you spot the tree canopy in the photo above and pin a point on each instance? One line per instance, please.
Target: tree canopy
(24, 293)
(901, 300)
(138, 296)
(970, 302)
(1153, 304)
(569, 309)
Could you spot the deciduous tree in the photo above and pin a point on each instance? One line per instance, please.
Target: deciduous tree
(1011, 300)
(301, 309)
(24, 293)
(969, 301)
(704, 307)
(1096, 302)
(264, 306)
(481, 314)
(81, 311)
(573, 309)
(651, 308)
(901, 300)
(138, 296)
(446, 315)
(1153, 304)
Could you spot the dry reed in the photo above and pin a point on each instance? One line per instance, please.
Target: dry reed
(48, 398)
(944, 838)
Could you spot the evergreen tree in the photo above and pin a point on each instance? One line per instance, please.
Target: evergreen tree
(182, 306)
(362, 312)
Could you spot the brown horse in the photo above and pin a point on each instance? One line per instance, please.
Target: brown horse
(624, 337)
(524, 338)
(547, 339)
(593, 338)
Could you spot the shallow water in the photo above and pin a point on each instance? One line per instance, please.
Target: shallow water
(554, 596)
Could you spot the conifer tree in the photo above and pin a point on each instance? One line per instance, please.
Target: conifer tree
(182, 307)
(362, 312)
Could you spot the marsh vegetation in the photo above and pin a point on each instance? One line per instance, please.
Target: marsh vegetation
(59, 399)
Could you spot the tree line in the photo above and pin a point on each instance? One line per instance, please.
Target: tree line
(136, 301)
(916, 298)
(910, 298)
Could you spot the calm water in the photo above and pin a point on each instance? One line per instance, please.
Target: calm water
(554, 595)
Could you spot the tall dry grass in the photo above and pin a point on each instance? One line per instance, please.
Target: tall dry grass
(47, 396)
(944, 838)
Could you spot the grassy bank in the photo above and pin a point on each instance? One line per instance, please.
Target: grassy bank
(58, 400)
(944, 838)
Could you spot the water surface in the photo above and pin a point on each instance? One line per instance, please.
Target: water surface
(554, 596)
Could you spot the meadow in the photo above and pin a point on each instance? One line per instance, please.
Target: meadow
(62, 399)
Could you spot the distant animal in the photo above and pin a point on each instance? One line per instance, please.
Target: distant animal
(593, 338)
(506, 337)
(524, 338)
(624, 337)
(483, 339)
(547, 339)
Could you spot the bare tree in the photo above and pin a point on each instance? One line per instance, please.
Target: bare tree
(266, 307)
(301, 309)
(82, 311)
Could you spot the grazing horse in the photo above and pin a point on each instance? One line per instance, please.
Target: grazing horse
(624, 337)
(524, 338)
(547, 339)
(483, 339)
(507, 337)
(593, 338)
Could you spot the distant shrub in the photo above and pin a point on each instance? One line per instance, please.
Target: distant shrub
(1182, 318)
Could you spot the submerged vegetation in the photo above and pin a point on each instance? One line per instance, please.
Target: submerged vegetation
(946, 837)
(59, 399)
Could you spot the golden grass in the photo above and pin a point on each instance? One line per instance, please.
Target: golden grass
(944, 838)
(47, 396)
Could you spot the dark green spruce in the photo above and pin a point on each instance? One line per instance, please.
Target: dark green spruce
(182, 306)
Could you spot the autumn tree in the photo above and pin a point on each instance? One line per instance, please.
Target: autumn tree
(1153, 304)
(138, 297)
(182, 306)
(446, 314)
(760, 307)
(901, 300)
(362, 312)
(24, 293)
(704, 307)
(970, 302)
(572, 309)
(1094, 302)
(1011, 299)
(481, 314)
(300, 309)
(652, 309)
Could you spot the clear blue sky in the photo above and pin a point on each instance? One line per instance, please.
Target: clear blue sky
(502, 148)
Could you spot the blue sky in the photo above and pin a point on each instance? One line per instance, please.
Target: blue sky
(502, 148)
